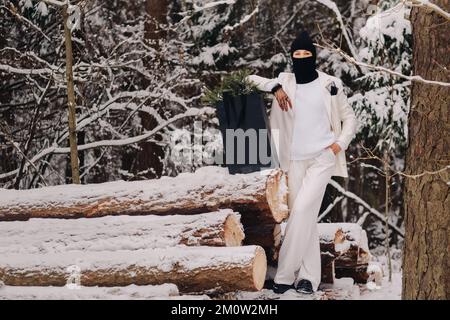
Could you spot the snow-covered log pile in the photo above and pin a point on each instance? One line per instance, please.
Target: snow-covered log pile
(260, 198)
(207, 231)
(185, 230)
(344, 251)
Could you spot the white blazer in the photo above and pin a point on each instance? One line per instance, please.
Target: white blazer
(282, 122)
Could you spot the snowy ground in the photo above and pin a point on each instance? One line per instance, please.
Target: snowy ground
(342, 289)
(345, 288)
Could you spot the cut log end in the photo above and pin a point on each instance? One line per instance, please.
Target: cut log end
(233, 231)
(259, 268)
(276, 193)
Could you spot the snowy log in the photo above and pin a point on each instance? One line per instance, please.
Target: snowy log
(88, 293)
(192, 269)
(261, 196)
(221, 228)
(344, 251)
(349, 240)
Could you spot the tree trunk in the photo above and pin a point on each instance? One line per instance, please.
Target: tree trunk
(426, 265)
(43, 236)
(192, 269)
(71, 102)
(149, 158)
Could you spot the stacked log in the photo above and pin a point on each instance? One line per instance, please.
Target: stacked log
(351, 252)
(113, 233)
(192, 269)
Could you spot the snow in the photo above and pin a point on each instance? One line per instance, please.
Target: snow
(383, 289)
(345, 288)
(209, 55)
(166, 290)
(42, 8)
(342, 289)
(391, 23)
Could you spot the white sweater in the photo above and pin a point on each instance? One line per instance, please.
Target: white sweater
(312, 129)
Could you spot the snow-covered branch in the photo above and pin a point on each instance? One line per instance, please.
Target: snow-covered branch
(360, 201)
(330, 207)
(56, 2)
(213, 4)
(331, 5)
(428, 5)
(28, 22)
(244, 19)
(352, 60)
(192, 112)
(11, 69)
(16, 146)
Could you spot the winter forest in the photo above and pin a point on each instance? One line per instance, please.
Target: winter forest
(104, 122)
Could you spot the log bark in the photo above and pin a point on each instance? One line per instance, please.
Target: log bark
(341, 244)
(346, 241)
(327, 267)
(192, 269)
(358, 273)
(426, 259)
(222, 228)
(346, 254)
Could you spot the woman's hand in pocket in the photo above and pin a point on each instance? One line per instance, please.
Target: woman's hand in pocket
(335, 148)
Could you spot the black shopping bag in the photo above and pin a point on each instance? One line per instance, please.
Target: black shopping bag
(247, 142)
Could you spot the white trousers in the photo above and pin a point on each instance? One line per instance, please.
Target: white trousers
(299, 256)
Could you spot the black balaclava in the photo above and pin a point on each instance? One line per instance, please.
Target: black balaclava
(304, 68)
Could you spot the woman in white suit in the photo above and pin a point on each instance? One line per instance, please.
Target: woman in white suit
(312, 125)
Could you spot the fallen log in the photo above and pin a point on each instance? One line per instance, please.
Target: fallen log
(192, 269)
(220, 228)
(260, 196)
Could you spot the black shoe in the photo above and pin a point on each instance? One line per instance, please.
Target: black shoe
(304, 286)
(281, 288)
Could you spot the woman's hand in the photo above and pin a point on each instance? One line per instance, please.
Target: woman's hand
(335, 148)
(283, 99)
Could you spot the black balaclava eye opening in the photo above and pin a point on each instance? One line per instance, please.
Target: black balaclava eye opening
(304, 68)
